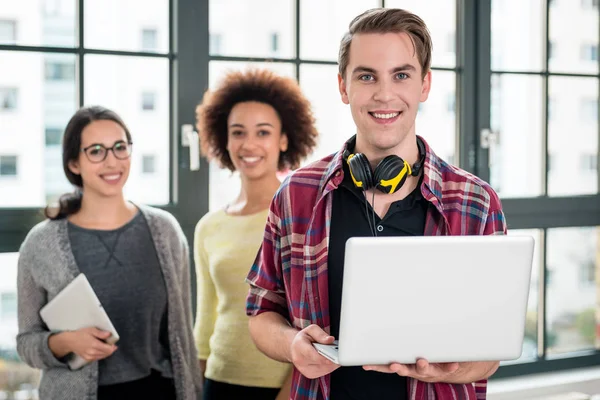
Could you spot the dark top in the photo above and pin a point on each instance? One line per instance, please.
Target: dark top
(350, 218)
(123, 269)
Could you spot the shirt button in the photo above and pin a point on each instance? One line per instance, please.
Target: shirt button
(379, 228)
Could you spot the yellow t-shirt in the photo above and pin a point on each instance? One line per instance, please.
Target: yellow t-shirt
(225, 247)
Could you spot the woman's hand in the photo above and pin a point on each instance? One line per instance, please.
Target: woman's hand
(88, 343)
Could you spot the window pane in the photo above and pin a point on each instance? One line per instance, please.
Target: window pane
(530, 341)
(334, 120)
(575, 50)
(249, 31)
(38, 23)
(520, 48)
(436, 119)
(120, 83)
(573, 256)
(33, 108)
(440, 17)
(15, 376)
(223, 184)
(129, 28)
(573, 136)
(323, 23)
(516, 114)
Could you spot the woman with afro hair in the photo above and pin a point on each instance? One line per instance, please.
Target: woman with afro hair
(258, 124)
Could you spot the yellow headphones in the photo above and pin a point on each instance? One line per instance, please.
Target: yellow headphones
(389, 175)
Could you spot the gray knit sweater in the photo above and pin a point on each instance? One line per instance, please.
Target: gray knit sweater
(47, 265)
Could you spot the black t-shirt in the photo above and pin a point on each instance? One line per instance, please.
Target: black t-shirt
(350, 218)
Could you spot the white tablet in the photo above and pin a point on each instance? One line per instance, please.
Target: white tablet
(77, 307)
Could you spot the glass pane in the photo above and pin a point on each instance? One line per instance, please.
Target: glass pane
(37, 99)
(133, 25)
(223, 184)
(520, 48)
(574, 50)
(320, 34)
(440, 17)
(573, 136)
(436, 119)
(38, 23)
(137, 89)
(573, 258)
(17, 380)
(516, 114)
(530, 341)
(334, 120)
(259, 28)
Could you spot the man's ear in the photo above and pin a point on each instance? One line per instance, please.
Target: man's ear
(342, 87)
(426, 88)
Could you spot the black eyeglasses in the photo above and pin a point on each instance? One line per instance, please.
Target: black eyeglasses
(97, 153)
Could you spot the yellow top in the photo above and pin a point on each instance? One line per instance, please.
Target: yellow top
(225, 248)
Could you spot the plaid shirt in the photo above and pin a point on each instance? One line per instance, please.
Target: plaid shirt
(289, 275)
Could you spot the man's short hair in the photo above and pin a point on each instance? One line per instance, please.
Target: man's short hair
(389, 20)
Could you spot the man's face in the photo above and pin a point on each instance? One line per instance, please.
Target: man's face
(383, 85)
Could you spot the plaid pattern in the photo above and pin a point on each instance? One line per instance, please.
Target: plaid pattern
(289, 275)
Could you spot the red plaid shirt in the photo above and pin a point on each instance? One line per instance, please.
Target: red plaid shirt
(289, 275)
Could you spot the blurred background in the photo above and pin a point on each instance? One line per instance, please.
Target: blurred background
(514, 100)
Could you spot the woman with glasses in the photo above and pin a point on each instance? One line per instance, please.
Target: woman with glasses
(258, 124)
(136, 260)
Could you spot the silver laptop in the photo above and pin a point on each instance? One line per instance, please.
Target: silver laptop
(77, 307)
(442, 298)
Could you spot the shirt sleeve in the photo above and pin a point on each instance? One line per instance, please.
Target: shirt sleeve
(495, 223)
(267, 292)
(206, 296)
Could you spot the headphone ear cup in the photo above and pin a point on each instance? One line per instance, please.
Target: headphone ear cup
(392, 169)
(361, 170)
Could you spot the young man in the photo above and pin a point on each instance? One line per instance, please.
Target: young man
(295, 293)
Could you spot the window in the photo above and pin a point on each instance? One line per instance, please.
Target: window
(589, 4)
(148, 101)
(60, 71)
(149, 39)
(551, 162)
(451, 103)
(8, 31)
(8, 305)
(589, 110)
(8, 98)
(551, 107)
(148, 164)
(589, 52)
(451, 43)
(588, 162)
(8, 165)
(53, 136)
(551, 50)
(215, 42)
(587, 273)
(274, 42)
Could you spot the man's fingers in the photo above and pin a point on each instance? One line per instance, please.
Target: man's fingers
(318, 335)
(449, 367)
(422, 366)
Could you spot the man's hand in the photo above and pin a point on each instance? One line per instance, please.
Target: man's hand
(306, 358)
(453, 372)
(422, 370)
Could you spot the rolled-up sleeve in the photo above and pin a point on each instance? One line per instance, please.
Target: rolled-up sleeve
(265, 278)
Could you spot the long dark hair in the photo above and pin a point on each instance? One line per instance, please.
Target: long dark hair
(70, 203)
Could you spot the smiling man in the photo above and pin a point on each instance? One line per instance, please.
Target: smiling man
(384, 181)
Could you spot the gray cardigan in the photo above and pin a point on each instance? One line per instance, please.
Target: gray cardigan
(47, 265)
